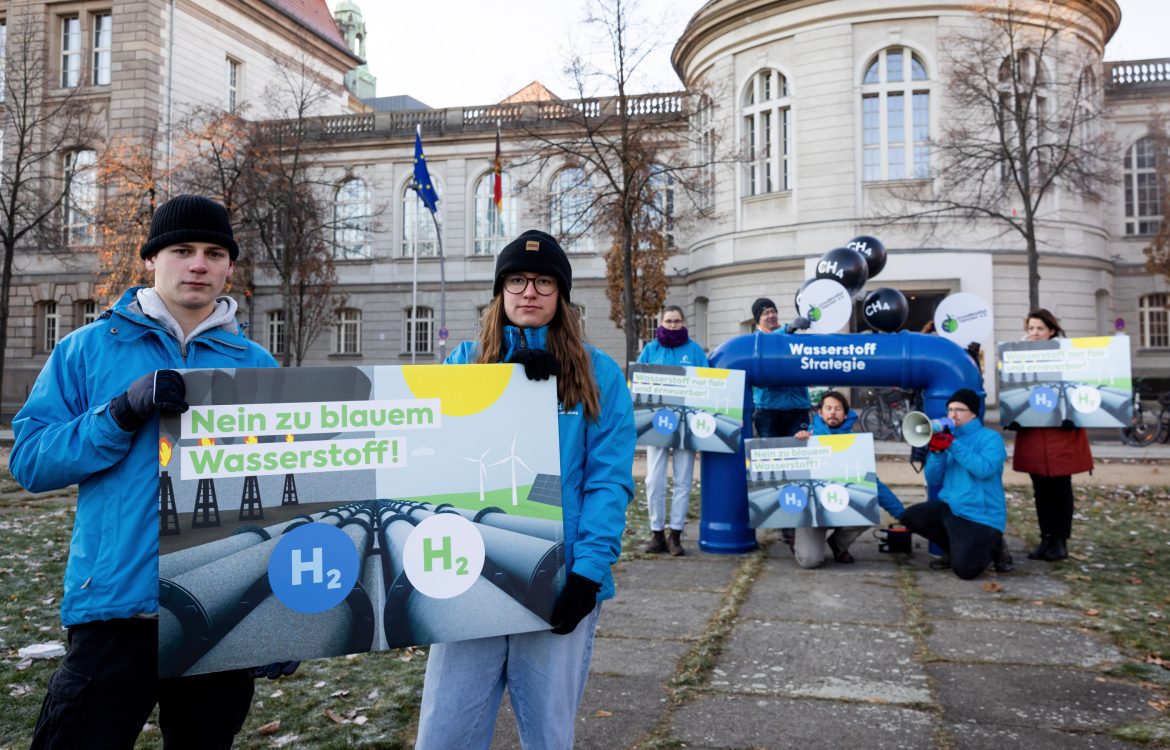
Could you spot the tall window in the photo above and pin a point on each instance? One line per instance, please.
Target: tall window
(1154, 319)
(767, 132)
(658, 209)
(50, 326)
(351, 211)
(571, 209)
(81, 198)
(1023, 98)
(85, 312)
(703, 123)
(1143, 199)
(347, 332)
(276, 332)
(418, 340)
(493, 228)
(418, 228)
(103, 33)
(70, 52)
(3, 57)
(233, 72)
(895, 117)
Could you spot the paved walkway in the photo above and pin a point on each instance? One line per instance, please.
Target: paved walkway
(879, 654)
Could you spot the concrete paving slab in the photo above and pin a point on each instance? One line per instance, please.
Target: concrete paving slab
(997, 610)
(736, 721)
(983, 737)
(634, 704)
(649, 613)
(818, 660)
(690, 573)
(1019, 643)
(782, 594)
(636, 657)
(1036, 697)
(944, 583)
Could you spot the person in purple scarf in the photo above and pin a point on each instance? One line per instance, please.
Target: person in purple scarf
(671, 346)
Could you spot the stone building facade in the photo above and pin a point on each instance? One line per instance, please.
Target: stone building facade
(800, 74)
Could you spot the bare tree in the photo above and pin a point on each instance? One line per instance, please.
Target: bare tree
(1022, 121)
(1158, 251)
(37, 130)
(132, 188)
(630, 166)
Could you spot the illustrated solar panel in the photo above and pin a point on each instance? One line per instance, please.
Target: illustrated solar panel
(546, 488)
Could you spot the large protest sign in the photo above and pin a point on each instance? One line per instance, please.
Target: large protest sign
(695, 408)
(825, 481)
(1083, 381)
(317, 512)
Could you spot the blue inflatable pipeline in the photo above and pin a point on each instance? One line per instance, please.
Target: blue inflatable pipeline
(916, 361)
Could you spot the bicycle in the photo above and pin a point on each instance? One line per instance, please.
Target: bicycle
(1148, 428)
(884, 418)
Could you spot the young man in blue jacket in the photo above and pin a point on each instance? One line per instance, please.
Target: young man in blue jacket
(968, 462)
(92, 419)
(834, 417)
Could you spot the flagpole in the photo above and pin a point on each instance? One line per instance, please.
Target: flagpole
(414, 279)
(442, 292)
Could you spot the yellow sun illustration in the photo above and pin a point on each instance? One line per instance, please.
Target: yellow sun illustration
(462, 389)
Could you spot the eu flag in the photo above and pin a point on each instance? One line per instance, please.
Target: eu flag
(422, 178)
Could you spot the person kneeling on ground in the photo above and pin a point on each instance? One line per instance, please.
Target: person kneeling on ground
(969, 521)
(833, 417)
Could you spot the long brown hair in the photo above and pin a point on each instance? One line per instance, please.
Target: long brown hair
(1048, 319)
(575, 384)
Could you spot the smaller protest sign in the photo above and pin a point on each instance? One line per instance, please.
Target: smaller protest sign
(825, 481)
(1085, 382)
(694, 408)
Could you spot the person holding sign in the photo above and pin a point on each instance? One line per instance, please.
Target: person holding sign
(92, 419)
(1051, 455)
(779, 411)
(969, 521)
(671, 346)
(834, 417)
(530, 322)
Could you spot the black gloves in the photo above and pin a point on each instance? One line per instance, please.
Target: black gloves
(575, 602)
(161, 391)
(275, 670)
(799, 323)
(538, 364)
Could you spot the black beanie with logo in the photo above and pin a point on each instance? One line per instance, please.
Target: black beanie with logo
(535, 251)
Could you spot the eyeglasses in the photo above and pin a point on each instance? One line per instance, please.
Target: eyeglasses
(958, 410)
(544, 285)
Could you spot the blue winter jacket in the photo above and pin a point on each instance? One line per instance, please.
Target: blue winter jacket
(597, 462)
(781, 397)
(971, 475)
(885, 496)
(65, 435)
(689, 354)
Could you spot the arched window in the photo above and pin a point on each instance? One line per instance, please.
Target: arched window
(767, 133)
(347, 331)
(418, 330)
(895, 117)
(81, 199)
(1154, 321)
(571, 209)
(351, 212)
(493, 228)
(1143, 199)
(418, 228)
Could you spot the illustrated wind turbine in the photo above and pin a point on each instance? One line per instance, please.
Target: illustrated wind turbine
(514, 459)
(482, 469)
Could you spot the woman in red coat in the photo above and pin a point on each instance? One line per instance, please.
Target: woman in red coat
(1051, 455)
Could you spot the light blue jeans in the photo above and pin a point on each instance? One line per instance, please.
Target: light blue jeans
(545, 675)
(684, 472)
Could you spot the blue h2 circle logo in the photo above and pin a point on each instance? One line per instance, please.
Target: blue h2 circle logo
(665, 421)
(792, 498)
(313, 568)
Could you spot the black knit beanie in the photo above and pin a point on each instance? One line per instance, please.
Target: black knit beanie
(535, 251)
(966, 397)
(190, 218)
(761, 304)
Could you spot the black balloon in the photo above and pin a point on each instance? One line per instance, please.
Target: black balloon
(796, 299)
(885, 309)
(873, 250)
(847, 267)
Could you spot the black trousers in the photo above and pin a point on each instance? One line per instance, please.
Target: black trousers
(1054, 505)
(971, 545)
(107, 685)
(779, 422)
